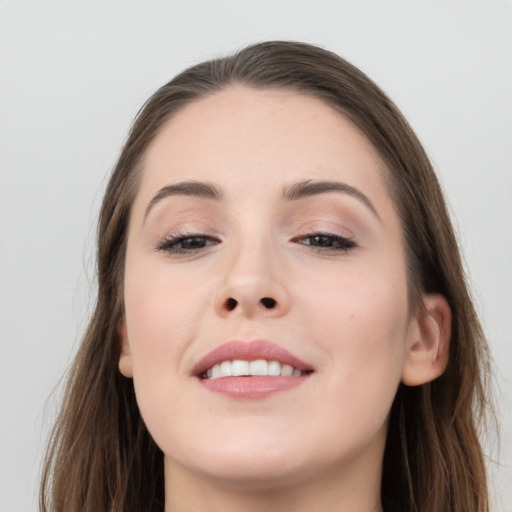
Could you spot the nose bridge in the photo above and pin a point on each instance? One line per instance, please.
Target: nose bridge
(251, 281)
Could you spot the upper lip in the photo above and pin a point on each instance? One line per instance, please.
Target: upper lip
(249, 351)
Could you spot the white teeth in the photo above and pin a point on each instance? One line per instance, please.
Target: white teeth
(239, 368)
(287, 370)
(216, 371)
(225, 369)
(274, 368)
(259, 367)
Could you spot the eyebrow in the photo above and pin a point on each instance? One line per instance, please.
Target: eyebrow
(185, 188)
(310, 188)
(293, 192)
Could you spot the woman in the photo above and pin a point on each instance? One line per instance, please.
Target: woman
(282, 318)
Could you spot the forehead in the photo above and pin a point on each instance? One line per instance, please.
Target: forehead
(246, 137)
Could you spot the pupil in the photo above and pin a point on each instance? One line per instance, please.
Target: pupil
(322, 240)
(194, 242)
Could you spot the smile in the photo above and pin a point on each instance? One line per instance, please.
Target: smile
(259, 367)
(251, 369)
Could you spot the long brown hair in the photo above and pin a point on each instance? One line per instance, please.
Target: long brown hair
(101, 457)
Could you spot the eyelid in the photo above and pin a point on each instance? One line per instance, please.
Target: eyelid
(324, 227)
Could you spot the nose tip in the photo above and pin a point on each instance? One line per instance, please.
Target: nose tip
(252, 283)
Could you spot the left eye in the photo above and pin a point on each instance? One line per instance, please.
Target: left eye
(184, 243)
(327, 241)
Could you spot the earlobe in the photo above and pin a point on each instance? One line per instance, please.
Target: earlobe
(428, 348)
(125, 357)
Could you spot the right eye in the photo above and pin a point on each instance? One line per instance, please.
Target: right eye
(183, 244)
(327, 242)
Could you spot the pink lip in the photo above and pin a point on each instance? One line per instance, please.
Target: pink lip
(249, 351)
(250, 387)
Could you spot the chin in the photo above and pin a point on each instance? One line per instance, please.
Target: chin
(257, 474)
(249, 461)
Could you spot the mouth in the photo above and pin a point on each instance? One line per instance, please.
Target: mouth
(252, 369)
(256, 368)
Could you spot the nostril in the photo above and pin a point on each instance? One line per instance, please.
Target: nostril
(268, 302)
(231, 304)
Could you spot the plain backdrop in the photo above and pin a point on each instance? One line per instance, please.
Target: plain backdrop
(74, 73)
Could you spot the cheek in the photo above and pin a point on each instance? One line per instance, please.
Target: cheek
(363, 330)
(361, 318)
(161, 319)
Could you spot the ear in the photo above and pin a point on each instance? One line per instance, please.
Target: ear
(429, 341)
(125, 357)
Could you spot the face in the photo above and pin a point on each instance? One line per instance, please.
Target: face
(263, 232)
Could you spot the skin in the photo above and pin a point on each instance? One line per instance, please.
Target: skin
(344, 311)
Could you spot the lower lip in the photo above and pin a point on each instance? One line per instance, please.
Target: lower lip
(252, 387)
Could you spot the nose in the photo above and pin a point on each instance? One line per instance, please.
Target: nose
(253, 286)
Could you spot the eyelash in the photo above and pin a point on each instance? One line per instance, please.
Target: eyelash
(338, 242)
(171, 244)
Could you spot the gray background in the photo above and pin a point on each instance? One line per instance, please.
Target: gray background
(72, 76)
